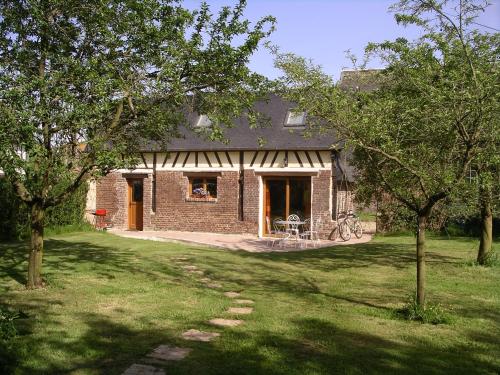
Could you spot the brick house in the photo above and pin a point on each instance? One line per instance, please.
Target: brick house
(199, 185)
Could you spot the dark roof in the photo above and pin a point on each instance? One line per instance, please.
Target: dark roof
(271, 136)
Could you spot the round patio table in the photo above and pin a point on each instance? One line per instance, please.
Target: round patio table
(289, 222)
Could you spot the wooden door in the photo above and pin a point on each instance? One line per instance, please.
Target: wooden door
(135, 188)
(267, 207)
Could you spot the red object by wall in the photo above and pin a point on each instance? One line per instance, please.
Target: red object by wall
(100, 212)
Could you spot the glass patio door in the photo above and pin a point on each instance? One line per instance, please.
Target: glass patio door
(285, 196)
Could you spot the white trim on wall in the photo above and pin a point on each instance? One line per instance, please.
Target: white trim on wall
(261, 206)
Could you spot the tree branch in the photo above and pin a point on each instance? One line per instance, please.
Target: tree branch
(54, 201)
(388, 186)
(19, 188)
(398, 161)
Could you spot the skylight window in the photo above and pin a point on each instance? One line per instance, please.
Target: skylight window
(203, 122)
(295, 118)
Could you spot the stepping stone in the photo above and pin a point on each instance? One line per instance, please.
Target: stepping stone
(169, 353)
(196, 335)
(232, 294)
(225, 322)
(244, 301)
(240, 310)
(206, 280)
(213, 285)
(190, 268)
(198, 272)
(136, 369)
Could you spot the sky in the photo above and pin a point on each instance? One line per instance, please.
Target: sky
(323, 30)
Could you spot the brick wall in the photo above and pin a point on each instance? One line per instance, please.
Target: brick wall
(251, 200)
(111, 195)
(321, 197)
(175, 212)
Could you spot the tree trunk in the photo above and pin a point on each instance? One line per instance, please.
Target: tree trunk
(486, 229)
(421, 223)
(36, 247)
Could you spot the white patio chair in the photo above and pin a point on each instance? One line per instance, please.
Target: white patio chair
(305, 235)
(278, 228)
(293, 228)
(313, 233)
(279, 236)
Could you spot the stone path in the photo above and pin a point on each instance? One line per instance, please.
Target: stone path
(240, 310)
(244, 301)
(164, 353)
(213, 285)
(232, 294)
(169, 353)
(195, 335)
(220, 322)
(137, 369)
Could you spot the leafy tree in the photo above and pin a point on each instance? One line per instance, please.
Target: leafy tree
(109, 74)
(488, 182)
(416, 134)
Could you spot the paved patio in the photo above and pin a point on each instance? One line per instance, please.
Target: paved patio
(246, 242)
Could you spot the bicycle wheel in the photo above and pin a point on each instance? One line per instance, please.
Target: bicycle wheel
(344, 231)
(358, 229)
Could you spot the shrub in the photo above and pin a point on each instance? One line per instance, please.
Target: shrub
(430, 313)
(9, 358)
(14, 221)
(492, 260)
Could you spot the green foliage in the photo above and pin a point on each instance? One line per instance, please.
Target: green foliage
(416, 126)
(420, 122)
(103, 84)
(8, 351)
(14, 217)
(430, 313)
(84, 88)
(7, 329)
(492, 260)
(14, 222)
(71, 212)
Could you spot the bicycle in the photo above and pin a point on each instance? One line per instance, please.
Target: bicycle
(349, 223)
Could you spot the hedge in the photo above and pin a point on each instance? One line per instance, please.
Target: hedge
(14, 214)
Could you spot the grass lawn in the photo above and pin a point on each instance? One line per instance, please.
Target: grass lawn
(111, 300)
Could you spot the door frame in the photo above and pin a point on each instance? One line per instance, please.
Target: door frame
(265, 191)
(130, 183)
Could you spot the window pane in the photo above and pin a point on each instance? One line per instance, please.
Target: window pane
(295, 118)
(137, 191)
(212, 187)
(198, 189)
(277, 197)
(203, 121)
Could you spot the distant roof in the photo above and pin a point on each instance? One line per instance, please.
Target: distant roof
(272, 136)
(362, 80)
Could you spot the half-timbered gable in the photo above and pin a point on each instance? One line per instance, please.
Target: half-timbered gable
(231, 186)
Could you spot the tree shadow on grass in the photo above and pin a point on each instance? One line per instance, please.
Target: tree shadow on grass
(65, 257)
(13, 258)
(316, 347)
